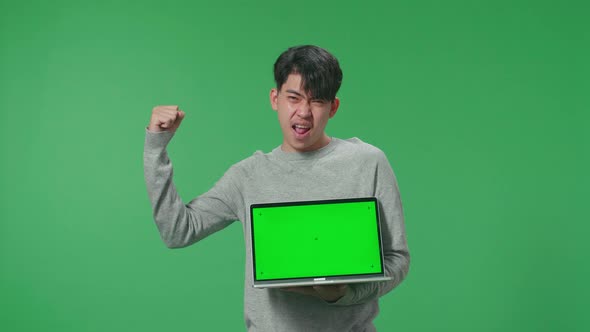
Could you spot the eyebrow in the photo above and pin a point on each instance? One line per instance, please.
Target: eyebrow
(295, 92)
(301, 95)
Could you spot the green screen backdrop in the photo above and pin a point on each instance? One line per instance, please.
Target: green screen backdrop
(482, 108)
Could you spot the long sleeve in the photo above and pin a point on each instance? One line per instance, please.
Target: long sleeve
(182, 224)
(395, 248)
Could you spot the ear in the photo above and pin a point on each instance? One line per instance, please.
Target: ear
(274, 96)
(334, 107)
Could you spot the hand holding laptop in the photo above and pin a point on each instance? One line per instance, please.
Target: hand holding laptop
(328, 293)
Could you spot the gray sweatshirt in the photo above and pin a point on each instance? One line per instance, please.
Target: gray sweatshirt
(342, 169)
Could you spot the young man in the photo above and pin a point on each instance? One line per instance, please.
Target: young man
(308, 165)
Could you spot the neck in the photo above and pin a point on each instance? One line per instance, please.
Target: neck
(325, 140)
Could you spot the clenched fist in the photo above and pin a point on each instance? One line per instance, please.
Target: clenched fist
(165, 118)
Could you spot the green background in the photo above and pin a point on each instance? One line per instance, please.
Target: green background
(315, 240)
(481, 107)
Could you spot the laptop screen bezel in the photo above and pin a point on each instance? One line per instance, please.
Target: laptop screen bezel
(323, 278)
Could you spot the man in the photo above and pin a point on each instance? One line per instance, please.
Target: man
(308, 165)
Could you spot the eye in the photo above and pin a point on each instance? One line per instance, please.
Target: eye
(292, 98)
(318, 102)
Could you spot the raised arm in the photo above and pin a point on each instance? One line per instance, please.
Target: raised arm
(180, 224)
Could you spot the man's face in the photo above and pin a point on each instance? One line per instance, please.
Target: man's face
(302, 118)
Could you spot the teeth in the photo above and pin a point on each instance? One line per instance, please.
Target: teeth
(301, 127)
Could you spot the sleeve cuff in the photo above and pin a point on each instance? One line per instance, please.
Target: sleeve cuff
(156, 141)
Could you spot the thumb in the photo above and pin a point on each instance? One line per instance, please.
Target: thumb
(179, 117)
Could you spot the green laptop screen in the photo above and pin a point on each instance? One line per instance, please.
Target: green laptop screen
(315, 239)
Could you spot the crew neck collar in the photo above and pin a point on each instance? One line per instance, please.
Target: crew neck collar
(319, 153)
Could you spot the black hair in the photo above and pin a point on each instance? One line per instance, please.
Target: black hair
(320, 72)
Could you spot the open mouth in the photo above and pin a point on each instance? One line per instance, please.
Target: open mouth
(301, 129)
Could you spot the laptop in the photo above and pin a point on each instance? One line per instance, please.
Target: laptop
(320, 242)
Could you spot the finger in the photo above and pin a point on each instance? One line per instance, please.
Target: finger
(300, 290)
(166, 121)
(330, 289)
(167, 112)
(294, 289)
(167, 115)
(169, 107)
(165, 109)
(323, 287)
(159, 109)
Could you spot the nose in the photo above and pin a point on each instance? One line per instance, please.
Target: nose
(304, 110)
